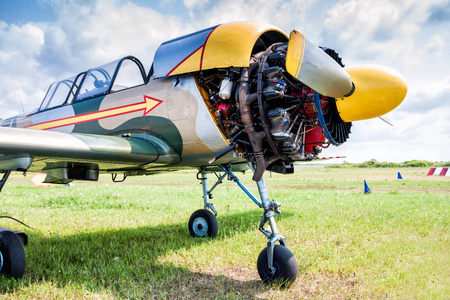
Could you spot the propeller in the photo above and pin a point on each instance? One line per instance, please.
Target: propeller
(362, 92)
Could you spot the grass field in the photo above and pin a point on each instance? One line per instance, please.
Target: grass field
(130, 240)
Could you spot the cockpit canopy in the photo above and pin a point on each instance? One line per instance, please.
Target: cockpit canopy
(115, 76)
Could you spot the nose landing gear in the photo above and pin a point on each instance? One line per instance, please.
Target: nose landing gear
(275, 262)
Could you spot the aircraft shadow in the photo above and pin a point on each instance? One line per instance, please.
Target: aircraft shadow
(127, 264)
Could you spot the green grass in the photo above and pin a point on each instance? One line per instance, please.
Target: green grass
(130, 240)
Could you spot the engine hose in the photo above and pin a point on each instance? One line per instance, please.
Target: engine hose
(223, 152)
(219, 120)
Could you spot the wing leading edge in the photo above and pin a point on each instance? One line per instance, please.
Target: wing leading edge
(27, 149)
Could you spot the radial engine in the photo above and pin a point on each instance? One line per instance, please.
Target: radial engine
(270, 116)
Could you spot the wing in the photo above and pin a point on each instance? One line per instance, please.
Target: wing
(39, 150)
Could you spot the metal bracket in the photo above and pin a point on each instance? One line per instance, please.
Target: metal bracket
(270, 250)
(207, 194)
(114, 177)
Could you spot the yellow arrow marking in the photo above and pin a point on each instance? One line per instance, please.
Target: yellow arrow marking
(147, 105)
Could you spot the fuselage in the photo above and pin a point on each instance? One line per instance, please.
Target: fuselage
(171, 109)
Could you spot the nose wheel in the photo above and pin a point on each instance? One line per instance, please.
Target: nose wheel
(284, 268)
(203, 223)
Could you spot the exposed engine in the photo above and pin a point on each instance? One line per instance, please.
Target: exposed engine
(273, 118)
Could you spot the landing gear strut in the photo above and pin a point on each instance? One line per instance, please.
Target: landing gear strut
(203, 223)
(275, 262)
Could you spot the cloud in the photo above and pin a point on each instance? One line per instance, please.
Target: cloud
(26, 39)
(195, 4)
(385, 28)
(439, 13)
(107, 30)
(284, 14)
(428, 96)
(86, 34)
(19, 51)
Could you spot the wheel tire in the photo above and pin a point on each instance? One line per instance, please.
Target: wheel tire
(284, 262)
(203, 223)
(13, 254)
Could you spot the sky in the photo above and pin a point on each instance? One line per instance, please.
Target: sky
(42, 41)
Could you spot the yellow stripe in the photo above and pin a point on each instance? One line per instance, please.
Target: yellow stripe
(89, 117)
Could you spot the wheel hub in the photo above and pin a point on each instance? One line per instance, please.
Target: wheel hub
(274, 272)
(200, 226)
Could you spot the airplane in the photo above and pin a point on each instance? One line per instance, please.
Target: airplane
(225, 99)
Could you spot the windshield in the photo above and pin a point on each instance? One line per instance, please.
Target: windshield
(57, 93)
(112, 77)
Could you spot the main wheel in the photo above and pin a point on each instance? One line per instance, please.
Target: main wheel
(13, 255)
(203, 223)
(284, 262)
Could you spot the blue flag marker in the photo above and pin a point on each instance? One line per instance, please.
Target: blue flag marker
(366, 188)
(399, 176)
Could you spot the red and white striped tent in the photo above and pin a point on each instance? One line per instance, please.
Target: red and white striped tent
(439, 171)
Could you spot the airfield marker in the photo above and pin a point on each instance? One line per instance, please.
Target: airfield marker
(439, 171)
(366, 188)
(38, 180)
(431, 172)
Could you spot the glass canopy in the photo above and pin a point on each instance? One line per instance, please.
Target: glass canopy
(112, 77)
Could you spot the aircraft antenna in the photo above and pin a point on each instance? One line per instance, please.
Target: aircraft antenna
(20, 98)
